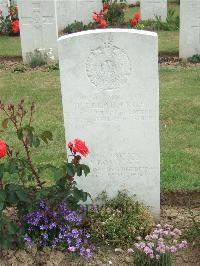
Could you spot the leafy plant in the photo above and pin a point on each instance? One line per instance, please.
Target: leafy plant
(194, 59)
(19, 68)
(116, 222)
(193, 232)
(57, 227)
(28, 187)
(9, 25)
(171, 23)
(158, 247)
(37, 58)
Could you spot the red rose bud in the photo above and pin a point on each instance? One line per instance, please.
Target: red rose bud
(3, 149)
(134, 22)
(137, 16)
(103, 24)
(105, 6)
(15, 26)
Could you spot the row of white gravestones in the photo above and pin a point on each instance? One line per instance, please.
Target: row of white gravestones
(189, 28)
(41, 20)
(151, 8)
(4, 5)
(114, 107)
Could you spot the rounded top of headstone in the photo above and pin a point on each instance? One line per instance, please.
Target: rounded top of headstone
(116, 30)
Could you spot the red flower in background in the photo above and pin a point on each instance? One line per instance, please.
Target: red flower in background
(15, 26)
(105, 6)
(2, 149)
(135, 19)
(137, 16)
(79, 146)
(134, 22)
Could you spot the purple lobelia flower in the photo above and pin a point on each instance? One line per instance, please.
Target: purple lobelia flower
(58, 227)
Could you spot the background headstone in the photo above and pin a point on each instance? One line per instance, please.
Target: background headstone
(110, 94)
(129, 2)
(80, 10)
(151, 8)
(38, 27)
(4, 5)
(189, 28)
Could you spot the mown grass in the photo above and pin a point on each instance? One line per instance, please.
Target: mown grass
(168, 44)
(179, 114)
(10, 46)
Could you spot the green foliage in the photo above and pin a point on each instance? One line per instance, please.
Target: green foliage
(6, 22)
(193, 232)
(194, 59)
(119, 221)
(19, 69)
(37, 58)
(141, 260)
(78, 26)
(171, 23)
(116, 13)
(52, 67)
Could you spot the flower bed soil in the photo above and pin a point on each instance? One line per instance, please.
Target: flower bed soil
(178, 216)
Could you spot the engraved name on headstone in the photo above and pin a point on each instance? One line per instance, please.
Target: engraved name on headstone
(110, 94)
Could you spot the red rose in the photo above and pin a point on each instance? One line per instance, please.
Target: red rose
(137, 16)
(79, 146)
(15, 26)
(2, 149)
(134, 22)
(105, 6)
(95, 17)
(103, 23)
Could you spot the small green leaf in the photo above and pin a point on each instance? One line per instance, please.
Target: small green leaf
(86, 169)
(79, 170)
(5, 123)
(70, 169)
(2, 195)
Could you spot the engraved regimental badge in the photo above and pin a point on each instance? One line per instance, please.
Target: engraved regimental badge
(108, 67)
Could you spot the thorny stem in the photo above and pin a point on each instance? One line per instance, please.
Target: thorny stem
(25, 143)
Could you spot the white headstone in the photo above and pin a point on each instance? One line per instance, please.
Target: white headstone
(80, 10)
(151, 8)
(38, 27)
(110, 94)
(4, 7)
(189, 28)
(129, 2)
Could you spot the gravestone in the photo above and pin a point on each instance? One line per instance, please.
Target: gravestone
(129, 2)
(151, 8)
(80, 10)
(110, 94)
(189, 44)
(38, 27)
(4, 6)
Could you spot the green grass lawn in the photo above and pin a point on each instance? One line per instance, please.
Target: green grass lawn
(180, 119)
(168, 43)
(10, 46)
